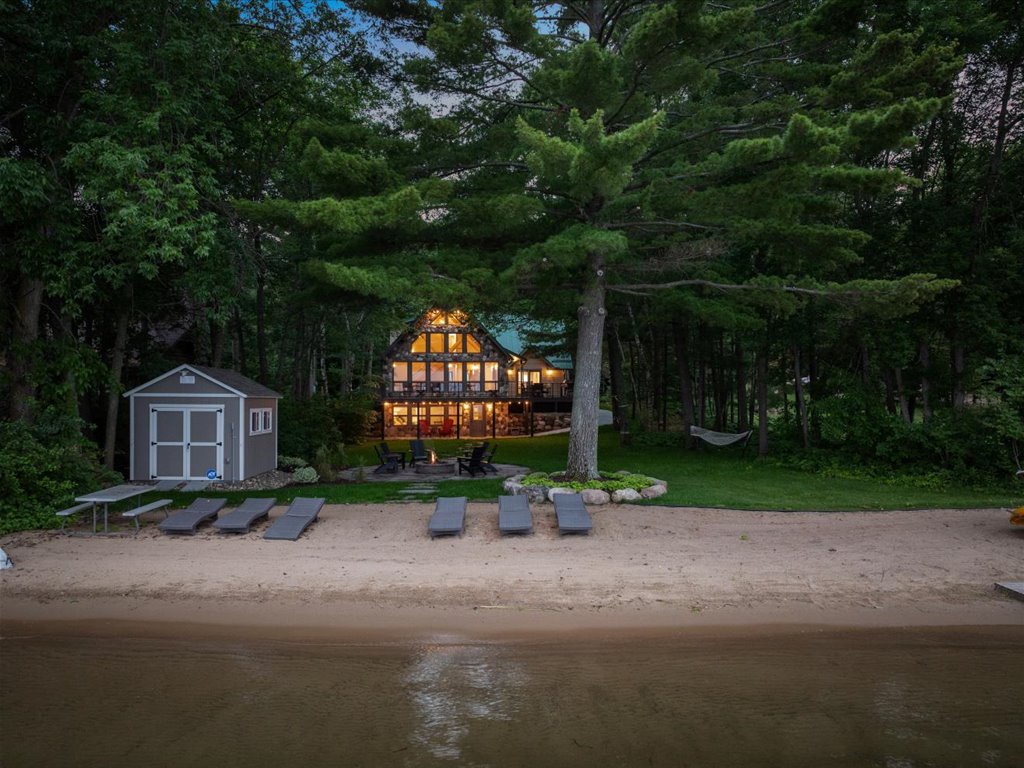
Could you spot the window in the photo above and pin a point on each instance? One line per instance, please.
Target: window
(490, 376)
(437, 343)
(400, 415)
(260, 420)
(455, 343)
(400, 375)
(472, 345)
(420, 344)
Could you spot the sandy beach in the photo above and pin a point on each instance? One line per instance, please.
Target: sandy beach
(372, 569)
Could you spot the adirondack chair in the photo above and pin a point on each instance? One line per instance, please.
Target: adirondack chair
(488, 461)
(417, 452)
(398, 456)
(474, 464)
(447, 428)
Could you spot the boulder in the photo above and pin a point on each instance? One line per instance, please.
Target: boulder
(625, 496)
(595, 496)
(654, 491)
(534, 493)
(513, 485)
(552, 492)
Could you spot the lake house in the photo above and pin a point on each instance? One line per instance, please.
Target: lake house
(447, 376)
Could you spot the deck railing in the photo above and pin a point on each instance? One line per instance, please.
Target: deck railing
(479, 390)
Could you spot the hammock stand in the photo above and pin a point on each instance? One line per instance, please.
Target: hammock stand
(721, 439)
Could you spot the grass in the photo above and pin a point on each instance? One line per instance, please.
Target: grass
(723, 478)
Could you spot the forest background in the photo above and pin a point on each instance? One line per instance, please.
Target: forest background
(801, 217)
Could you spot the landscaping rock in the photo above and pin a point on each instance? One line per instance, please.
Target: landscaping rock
(534, 493)
(514, 485)
(552, 492)
(654, 491)
(625, 496)
(595, 496)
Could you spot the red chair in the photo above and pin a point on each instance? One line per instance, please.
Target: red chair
(424, 427)
(447, 429)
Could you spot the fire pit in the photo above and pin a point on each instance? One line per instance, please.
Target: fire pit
(435, 468)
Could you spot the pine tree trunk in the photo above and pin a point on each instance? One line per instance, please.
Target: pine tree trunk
(741, 390)
(240, 360)
(581, 464)
(681, 341)
(924, 357)
(216, 343)
(901, 396)
(801, 404)
(114, 393)
(958, 356)
(261, 311)
(28, 303)
(761, 377)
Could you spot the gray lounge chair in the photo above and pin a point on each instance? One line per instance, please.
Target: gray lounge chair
(194, 486)
(514, 515)
(572, 514)
(295, 519)
(449, 517)
(240, 519)
(187, 520)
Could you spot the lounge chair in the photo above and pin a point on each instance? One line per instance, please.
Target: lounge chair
(474, 464)
(417, 451)
(572, 514)
(187, 520)
(449, 517)
(240, 519)
(295, 519)
(514, 515)
(195, 486)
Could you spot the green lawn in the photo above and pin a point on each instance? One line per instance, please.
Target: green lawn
(708, 478)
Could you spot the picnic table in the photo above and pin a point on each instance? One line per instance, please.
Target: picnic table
(109, 496)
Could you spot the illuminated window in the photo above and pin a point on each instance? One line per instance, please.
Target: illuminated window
(455, 342)
(420, 344)
(400, 415)
(490, 376)
(419, 371)
(472, 345)
(437, 343)
(455, 374)
(399, 372)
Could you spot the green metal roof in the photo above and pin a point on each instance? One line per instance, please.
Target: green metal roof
(520, 336)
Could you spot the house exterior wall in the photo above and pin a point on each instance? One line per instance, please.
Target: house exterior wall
(260, 449)
(141, 437)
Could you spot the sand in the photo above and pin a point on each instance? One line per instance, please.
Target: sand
(372, 569)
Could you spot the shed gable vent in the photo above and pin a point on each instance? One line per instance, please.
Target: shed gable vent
(187, 377)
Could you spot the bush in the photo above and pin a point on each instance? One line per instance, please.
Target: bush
(305, 425)
(305, 476)
(290, 463)
(42, 469)
(327, 460)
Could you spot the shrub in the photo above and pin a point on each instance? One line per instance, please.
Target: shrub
(305, 425)
(327, 460)
(290, 463)
(305, 476)
(42, 468)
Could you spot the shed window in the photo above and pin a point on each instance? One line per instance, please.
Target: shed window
(260, 420)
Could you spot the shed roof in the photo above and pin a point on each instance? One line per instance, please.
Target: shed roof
(232, 380)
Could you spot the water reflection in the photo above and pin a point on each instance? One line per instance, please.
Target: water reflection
(451, 686)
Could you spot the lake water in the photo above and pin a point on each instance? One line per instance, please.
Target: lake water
(898, 698)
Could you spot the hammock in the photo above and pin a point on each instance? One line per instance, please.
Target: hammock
(719, 438)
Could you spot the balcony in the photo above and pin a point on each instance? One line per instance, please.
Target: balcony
(478, 390)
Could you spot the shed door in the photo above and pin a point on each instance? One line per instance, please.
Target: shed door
(187, 442)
